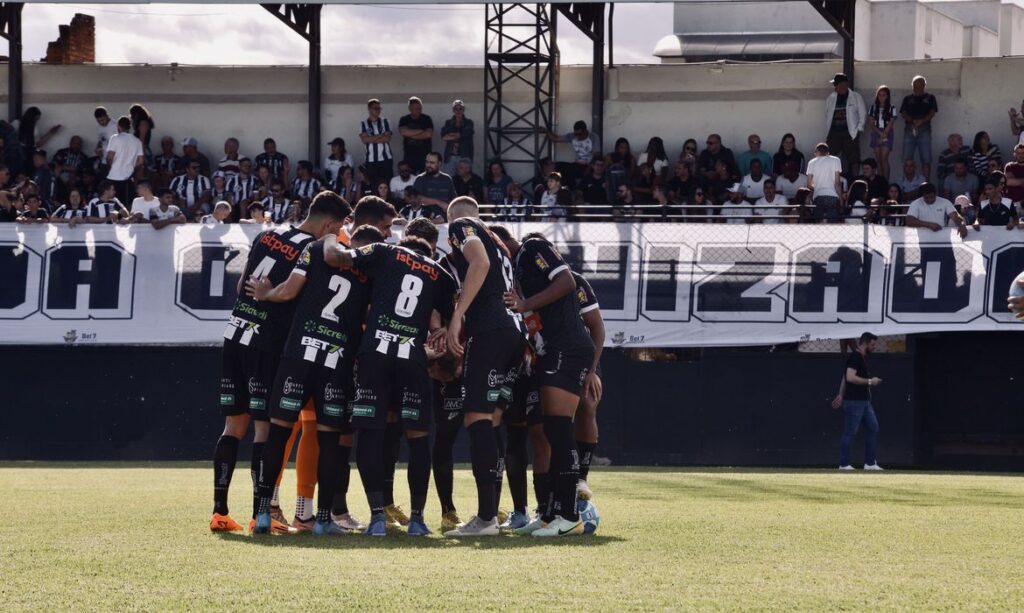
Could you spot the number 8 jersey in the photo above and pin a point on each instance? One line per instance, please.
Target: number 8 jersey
(407, 287)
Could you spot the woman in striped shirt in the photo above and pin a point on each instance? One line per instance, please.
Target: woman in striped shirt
(983, 151)
(73, 212)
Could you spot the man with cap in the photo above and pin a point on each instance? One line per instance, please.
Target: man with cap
(932, 212)
(190, 147)
(736, 209)
(917, 111)
(845, 114)
(417, 131)
(457, 134)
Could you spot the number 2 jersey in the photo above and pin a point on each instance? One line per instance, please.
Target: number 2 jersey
(407, 287)
(561, 324)
(329, 313)
(488, 311)
(265, 325)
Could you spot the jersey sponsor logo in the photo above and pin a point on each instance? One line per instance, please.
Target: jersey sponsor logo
(495, 378)
(453, 404)
(532, 398)
(581, 296)
(393, 324)
(290, 404)
(227, 399)
(541, 263)
(256, 387)
(416, 264)
(243, 324)
(257, 404)
(367, 250)
(292, 387)
(272, 243)
(410, 413)
(320, 345)
(363, 410)
(334, 410)
(305, 258)
(312, 327)
(332, 392)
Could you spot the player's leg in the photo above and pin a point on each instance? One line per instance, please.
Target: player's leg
(340, 513)
(369, 417)
(306, 470)
(586, 441)
(262, 370)
(516, 459)
(330, 416)
(275, 500)
(234, 404)
(446, 429)
(499, 474)
(392, 447)
(416, 415)
(870, 438)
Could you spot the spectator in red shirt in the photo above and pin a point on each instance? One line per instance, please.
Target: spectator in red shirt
(1014, 172)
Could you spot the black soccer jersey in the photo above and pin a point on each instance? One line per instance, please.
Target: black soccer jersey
(488, 311)
(328, 321)
(585, 294)
(562, 327)
(265, 325)
(407, 287)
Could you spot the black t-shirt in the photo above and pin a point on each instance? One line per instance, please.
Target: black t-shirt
(488, 311)
(839, 114)
(561, 325)
(407, 287)
(856, 391)
(329, 313)
(595, 189)
(416, 150)
(439, 186)
(473, 188)
(585, 295)
(265, 325)
(995, 214)
(918, 106)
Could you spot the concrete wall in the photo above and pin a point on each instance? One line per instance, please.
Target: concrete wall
(672, 101)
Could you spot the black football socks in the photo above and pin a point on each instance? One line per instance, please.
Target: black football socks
(339, 506)
(419, 474)
(444, 441)
(225, 455)
(272, 453)
(483, 451)
(327, 469)
(515, 466)
(586, 453)
(565, 466)
(369, 451)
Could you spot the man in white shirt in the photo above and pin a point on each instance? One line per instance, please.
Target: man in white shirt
(791, 180)
(220, 214)
(124, 155)
(845, 115)
(144, 202)
(753, 183)
(735, 209)
(824, 174)
(930, 211)
(105, 128)
(167, 212)
(771, 207)
(404, 180)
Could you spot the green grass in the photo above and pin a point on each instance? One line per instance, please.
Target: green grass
(114, 537)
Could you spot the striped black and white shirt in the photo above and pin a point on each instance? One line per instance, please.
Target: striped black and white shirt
(376, 152)
(66, 212)
(276, 211)
(190, 191)
(305, 189)
(70, 160)
(227, 196)
(172, 164)
(103, 209)
(274, 162)
(243, 188)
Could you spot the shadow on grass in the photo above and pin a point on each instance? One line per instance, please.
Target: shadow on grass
(404, 541)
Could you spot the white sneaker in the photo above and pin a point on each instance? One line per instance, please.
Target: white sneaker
(846, 467)
(583, 490)
(476, 527)
(535, 524)
(874, 466)
(347, 521)
(560, 527)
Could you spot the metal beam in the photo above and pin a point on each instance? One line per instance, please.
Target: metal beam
(841, 14)
(10, 29)
(304, 19)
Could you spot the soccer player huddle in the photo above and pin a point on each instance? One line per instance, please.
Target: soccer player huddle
(362, 341)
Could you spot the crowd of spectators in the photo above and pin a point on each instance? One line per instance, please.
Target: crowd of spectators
(130, 178)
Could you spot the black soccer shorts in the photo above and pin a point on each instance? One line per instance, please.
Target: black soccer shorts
(448, 402)
(490, 367)
(330, 388)
(525, 405)
(245, 380)
(566, 370)
(385, 383)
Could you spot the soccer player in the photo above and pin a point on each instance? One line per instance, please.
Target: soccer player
(408, 287)
(566, 356)
(586, 413)
(252, 347)
(317, 364)
(491, 355)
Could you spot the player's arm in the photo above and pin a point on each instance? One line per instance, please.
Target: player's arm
(479, 264)
(335, 255)
(561, 285)
(261, 289)
(593, 387)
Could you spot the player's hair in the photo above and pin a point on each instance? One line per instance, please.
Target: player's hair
(330, 205)
(222, 203)
(124, 122)
(367, 235)
(421, 227)
(463, 206)
(435, 154)
(417, 244)
(305, 165)
(372, 210)
(866, 338)
(536, 235)
(100, 112)
(105, 185)
(501, 232)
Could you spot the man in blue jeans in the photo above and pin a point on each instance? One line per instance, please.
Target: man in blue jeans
(855, 398)
(917, 111)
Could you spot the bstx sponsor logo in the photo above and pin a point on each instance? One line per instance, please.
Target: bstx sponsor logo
(273, 243)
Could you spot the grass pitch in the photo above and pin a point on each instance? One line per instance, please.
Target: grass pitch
(117, 537)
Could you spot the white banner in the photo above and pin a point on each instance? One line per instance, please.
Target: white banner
(661, 285)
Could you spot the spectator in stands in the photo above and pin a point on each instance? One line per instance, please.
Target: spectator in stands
(882, 122)
(143, 130)
(166, 213)
(277, 162)
(10, 148)
(339, 157)
(720, 181)
(105, 128)
(554, 202)
(1017, 123)
(823, 178)
(895, 192)
(193, 190)
(346, 185)
(714, 153)
(545, 167)
(276, 206)
(497, 182)
(996, 209)
(877, 184)
(221, 214)
(416, 207)
(655, 156)
(956, 151)
(664, 209)
(984, 152)
(624, 208)
(72, 213)
(256, 214)
(43, 178)
(594, 186)
(682, 184)
(735, 209)
(305, 185)
(845, 115)
(34, 211)
(167, 164)
(619, 164)
(932, 212)
(857, 200)
(383, 191)
(688, 155)
(230, 164)
(586, 147)
(772, 207)
(106, 208)
(144, 202)
(142, 122)
(643, 182)
(417, 130)
(517, 204)
(791, 179)
(435, 187)
(753, 183)
(375, 134)
(1014, 172)
(219, 191)
(190, 153)
(404, 180)
(457, 134)
(787, 153)
(88, 184)
(698, 206)
(69, 162)
(960, 182)
(918, 109)
(243, 186)
(10, 201)
(910, 180)
(124, 157)
(752, 153)
(28, 134)
(966, 208)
